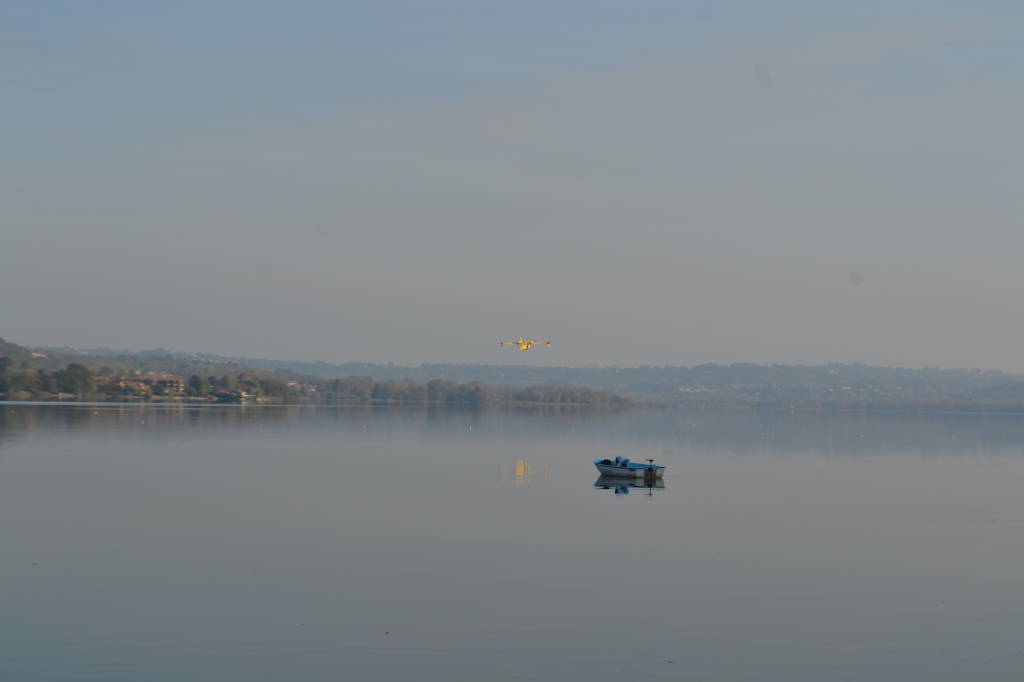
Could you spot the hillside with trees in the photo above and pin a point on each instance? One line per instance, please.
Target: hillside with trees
(740, 384)
(14, 352)
(25, 375)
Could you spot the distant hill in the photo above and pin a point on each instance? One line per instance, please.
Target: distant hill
(14, 351)
(118, 376)
(121, 361)
(849, 385)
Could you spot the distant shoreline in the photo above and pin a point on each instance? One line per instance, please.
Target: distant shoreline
(40, 373)
(169, 402)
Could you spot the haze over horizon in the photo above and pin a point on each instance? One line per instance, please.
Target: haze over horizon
(651, 184)
(516, 361)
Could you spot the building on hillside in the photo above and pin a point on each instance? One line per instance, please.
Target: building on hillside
(225, 395)
(170, 385)
(134, 385)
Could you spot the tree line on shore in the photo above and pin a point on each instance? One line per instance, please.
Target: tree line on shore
(21, 381)
(30, 382)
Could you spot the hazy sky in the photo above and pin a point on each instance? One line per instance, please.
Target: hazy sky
(640, 182)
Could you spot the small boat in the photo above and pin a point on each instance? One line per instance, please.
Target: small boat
(622, 468)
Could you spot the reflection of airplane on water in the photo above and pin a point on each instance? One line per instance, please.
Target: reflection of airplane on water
(524, 344)
(621, 486)
(523, 473)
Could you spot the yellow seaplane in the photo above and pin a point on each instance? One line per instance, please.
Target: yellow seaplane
(524, 344)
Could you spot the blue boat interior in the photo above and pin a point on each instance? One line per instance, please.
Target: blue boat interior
(624, 463)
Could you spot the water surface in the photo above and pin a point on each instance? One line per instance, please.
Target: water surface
(295, 543)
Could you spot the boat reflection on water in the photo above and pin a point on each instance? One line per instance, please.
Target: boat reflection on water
(621, 486)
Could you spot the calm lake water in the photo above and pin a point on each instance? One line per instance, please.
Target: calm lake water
(297, 544)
